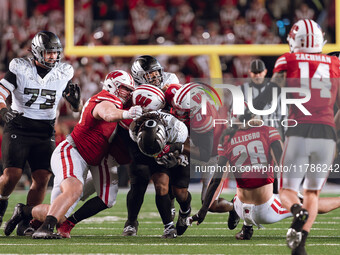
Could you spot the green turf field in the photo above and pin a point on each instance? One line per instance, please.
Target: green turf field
(102, 234)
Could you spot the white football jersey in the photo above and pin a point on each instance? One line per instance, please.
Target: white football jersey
(169, 78)
(176, 130)
(34, 96)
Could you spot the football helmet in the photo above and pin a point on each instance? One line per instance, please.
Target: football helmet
(306, 36)
(151, 137)
(188, 100)
(149, 97)
(147, 70)
(114, 80)
(44, 42)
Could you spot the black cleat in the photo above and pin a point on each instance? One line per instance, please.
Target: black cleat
(130, 229)
(181, 225)
(29, 231)
(300, 250)
(169, 232)
(233, 218)
(294, 234)
(18, 215)
(3, 207)
(41, 233)
(246, 233)
(22, 226)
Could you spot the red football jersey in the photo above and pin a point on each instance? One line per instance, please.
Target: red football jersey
(202, 123)
(318, 73)
(91, 136)
(170, 92)
(250, 149)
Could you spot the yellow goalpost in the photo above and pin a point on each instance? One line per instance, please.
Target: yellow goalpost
(213, 51)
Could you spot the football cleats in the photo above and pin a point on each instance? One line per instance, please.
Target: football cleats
(188, 100)
(44, 42)
(151, 137)
(149, 97)
(114, 80)
(147, 70)
(306, 36)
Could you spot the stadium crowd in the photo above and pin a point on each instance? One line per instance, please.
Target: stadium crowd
(108, 22)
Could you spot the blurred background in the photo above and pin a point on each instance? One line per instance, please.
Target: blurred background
(155, 22)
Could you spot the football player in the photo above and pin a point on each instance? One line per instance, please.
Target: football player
(160, 136)
(87, 145)
(145, 70)
(36, 85)
(187, 106)
(312, 142)
(248, 154)
(149, 98)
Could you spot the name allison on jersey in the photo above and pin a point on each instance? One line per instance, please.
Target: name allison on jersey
(37, 97)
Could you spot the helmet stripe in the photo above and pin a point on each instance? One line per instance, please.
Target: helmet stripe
(312, 34)
(307, 32)
(152, 89)
(185, 91)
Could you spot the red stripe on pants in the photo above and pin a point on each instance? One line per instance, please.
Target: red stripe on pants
(63, 160)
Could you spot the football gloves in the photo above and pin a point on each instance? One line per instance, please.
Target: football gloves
(170, 156)
(8, 114)
(199, 217)
(168, 160)
(72, 94)
(133, 113)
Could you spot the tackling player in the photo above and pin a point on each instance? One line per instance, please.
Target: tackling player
(144, 70)
(36, 86)
(187, 106)
(87, 145)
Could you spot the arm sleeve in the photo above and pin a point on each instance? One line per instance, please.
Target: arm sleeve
(9, 81)
(265, 97)
(205, 145)
(277, 150)
(215, 181)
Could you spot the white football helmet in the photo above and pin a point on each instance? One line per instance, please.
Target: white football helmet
(306, 36)
(149, 97)
(188, 100)
(114, 80)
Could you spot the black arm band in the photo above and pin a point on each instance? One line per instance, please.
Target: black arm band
(215, 182)
(277, 150)
(176, 147)
(3, 111)
(265, 97)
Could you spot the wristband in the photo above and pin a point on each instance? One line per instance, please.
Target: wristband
(126, 115)
(3, 111)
